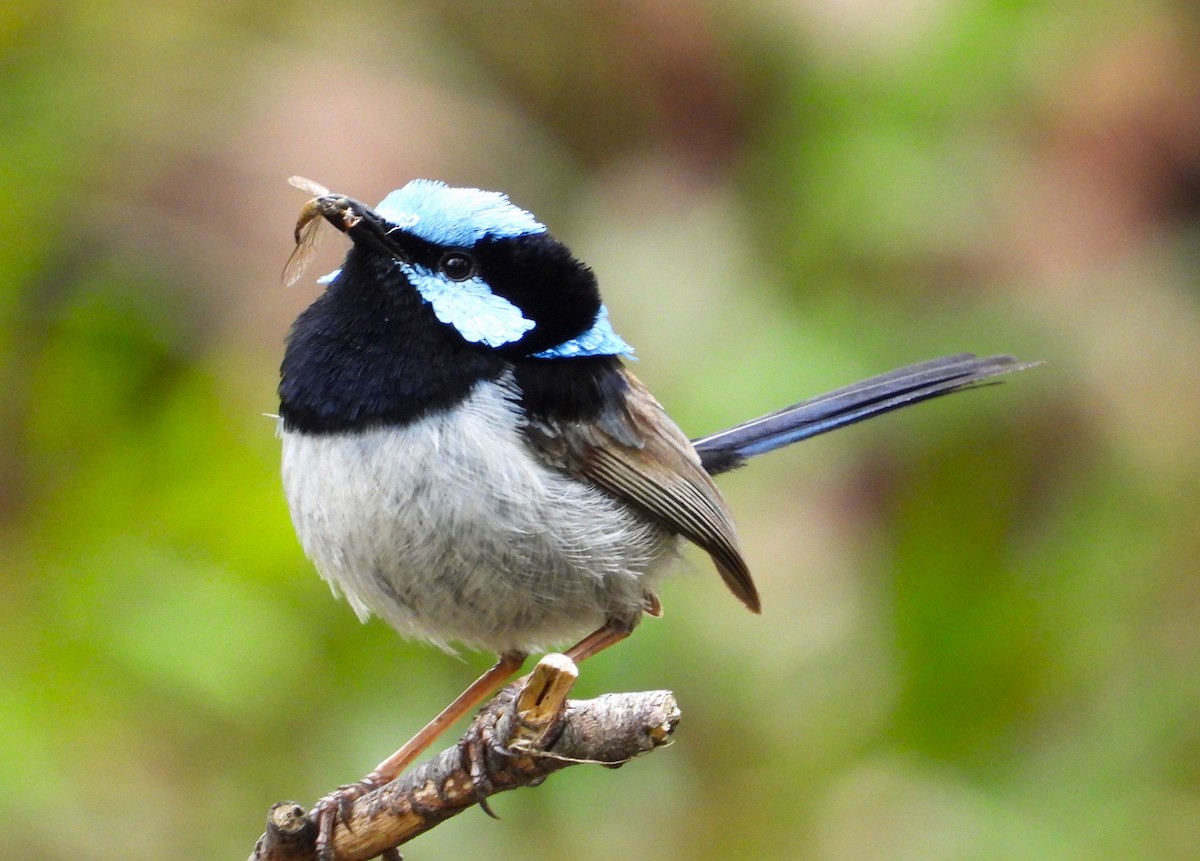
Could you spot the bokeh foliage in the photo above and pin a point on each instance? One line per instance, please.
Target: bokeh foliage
(982, 623)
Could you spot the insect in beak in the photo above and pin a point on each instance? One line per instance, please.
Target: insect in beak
(324, 204)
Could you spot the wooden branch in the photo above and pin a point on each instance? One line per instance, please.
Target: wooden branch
(527, 732)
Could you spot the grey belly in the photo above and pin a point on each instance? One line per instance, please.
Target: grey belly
(450, 532)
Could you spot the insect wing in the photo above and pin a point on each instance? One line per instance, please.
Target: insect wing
(304, 184)
(308, 227)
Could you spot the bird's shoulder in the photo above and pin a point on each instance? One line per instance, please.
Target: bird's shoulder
(596, 421)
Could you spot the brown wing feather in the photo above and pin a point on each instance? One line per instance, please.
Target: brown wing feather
(642, 457)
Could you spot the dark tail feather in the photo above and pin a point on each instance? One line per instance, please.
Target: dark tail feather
(731, 448)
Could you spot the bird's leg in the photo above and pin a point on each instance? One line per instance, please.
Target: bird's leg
(336, 805)
(477, 692)
(474, 745)
(609, 634)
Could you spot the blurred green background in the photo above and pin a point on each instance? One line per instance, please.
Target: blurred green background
(982, 623)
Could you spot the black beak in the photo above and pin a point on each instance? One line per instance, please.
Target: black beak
(363, 225)
(355, 219)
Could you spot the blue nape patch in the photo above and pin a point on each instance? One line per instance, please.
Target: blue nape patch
(460, 217)
(600, 340)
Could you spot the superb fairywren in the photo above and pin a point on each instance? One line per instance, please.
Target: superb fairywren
(466, 455)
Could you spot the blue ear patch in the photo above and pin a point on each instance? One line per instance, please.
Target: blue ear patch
(600, 340)
(470, 306)
(460, 217)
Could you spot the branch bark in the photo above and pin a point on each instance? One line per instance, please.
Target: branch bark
(526, 733)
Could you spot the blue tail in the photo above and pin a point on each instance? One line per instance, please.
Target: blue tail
(731, 448)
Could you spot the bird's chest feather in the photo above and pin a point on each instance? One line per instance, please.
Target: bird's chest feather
(451, 529)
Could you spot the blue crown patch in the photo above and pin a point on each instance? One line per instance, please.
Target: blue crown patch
(461, 217)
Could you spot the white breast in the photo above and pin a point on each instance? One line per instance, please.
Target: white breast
(450, 530)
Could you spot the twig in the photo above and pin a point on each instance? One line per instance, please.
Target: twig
(527, 732)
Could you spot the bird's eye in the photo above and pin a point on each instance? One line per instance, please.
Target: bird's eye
(457, 266)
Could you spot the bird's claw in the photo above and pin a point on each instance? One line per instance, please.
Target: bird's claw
(474, 748)
(336, 807)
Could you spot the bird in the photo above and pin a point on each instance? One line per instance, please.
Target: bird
(466, 455)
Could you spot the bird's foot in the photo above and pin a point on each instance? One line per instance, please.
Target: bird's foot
(336, 807)
(475, 747)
